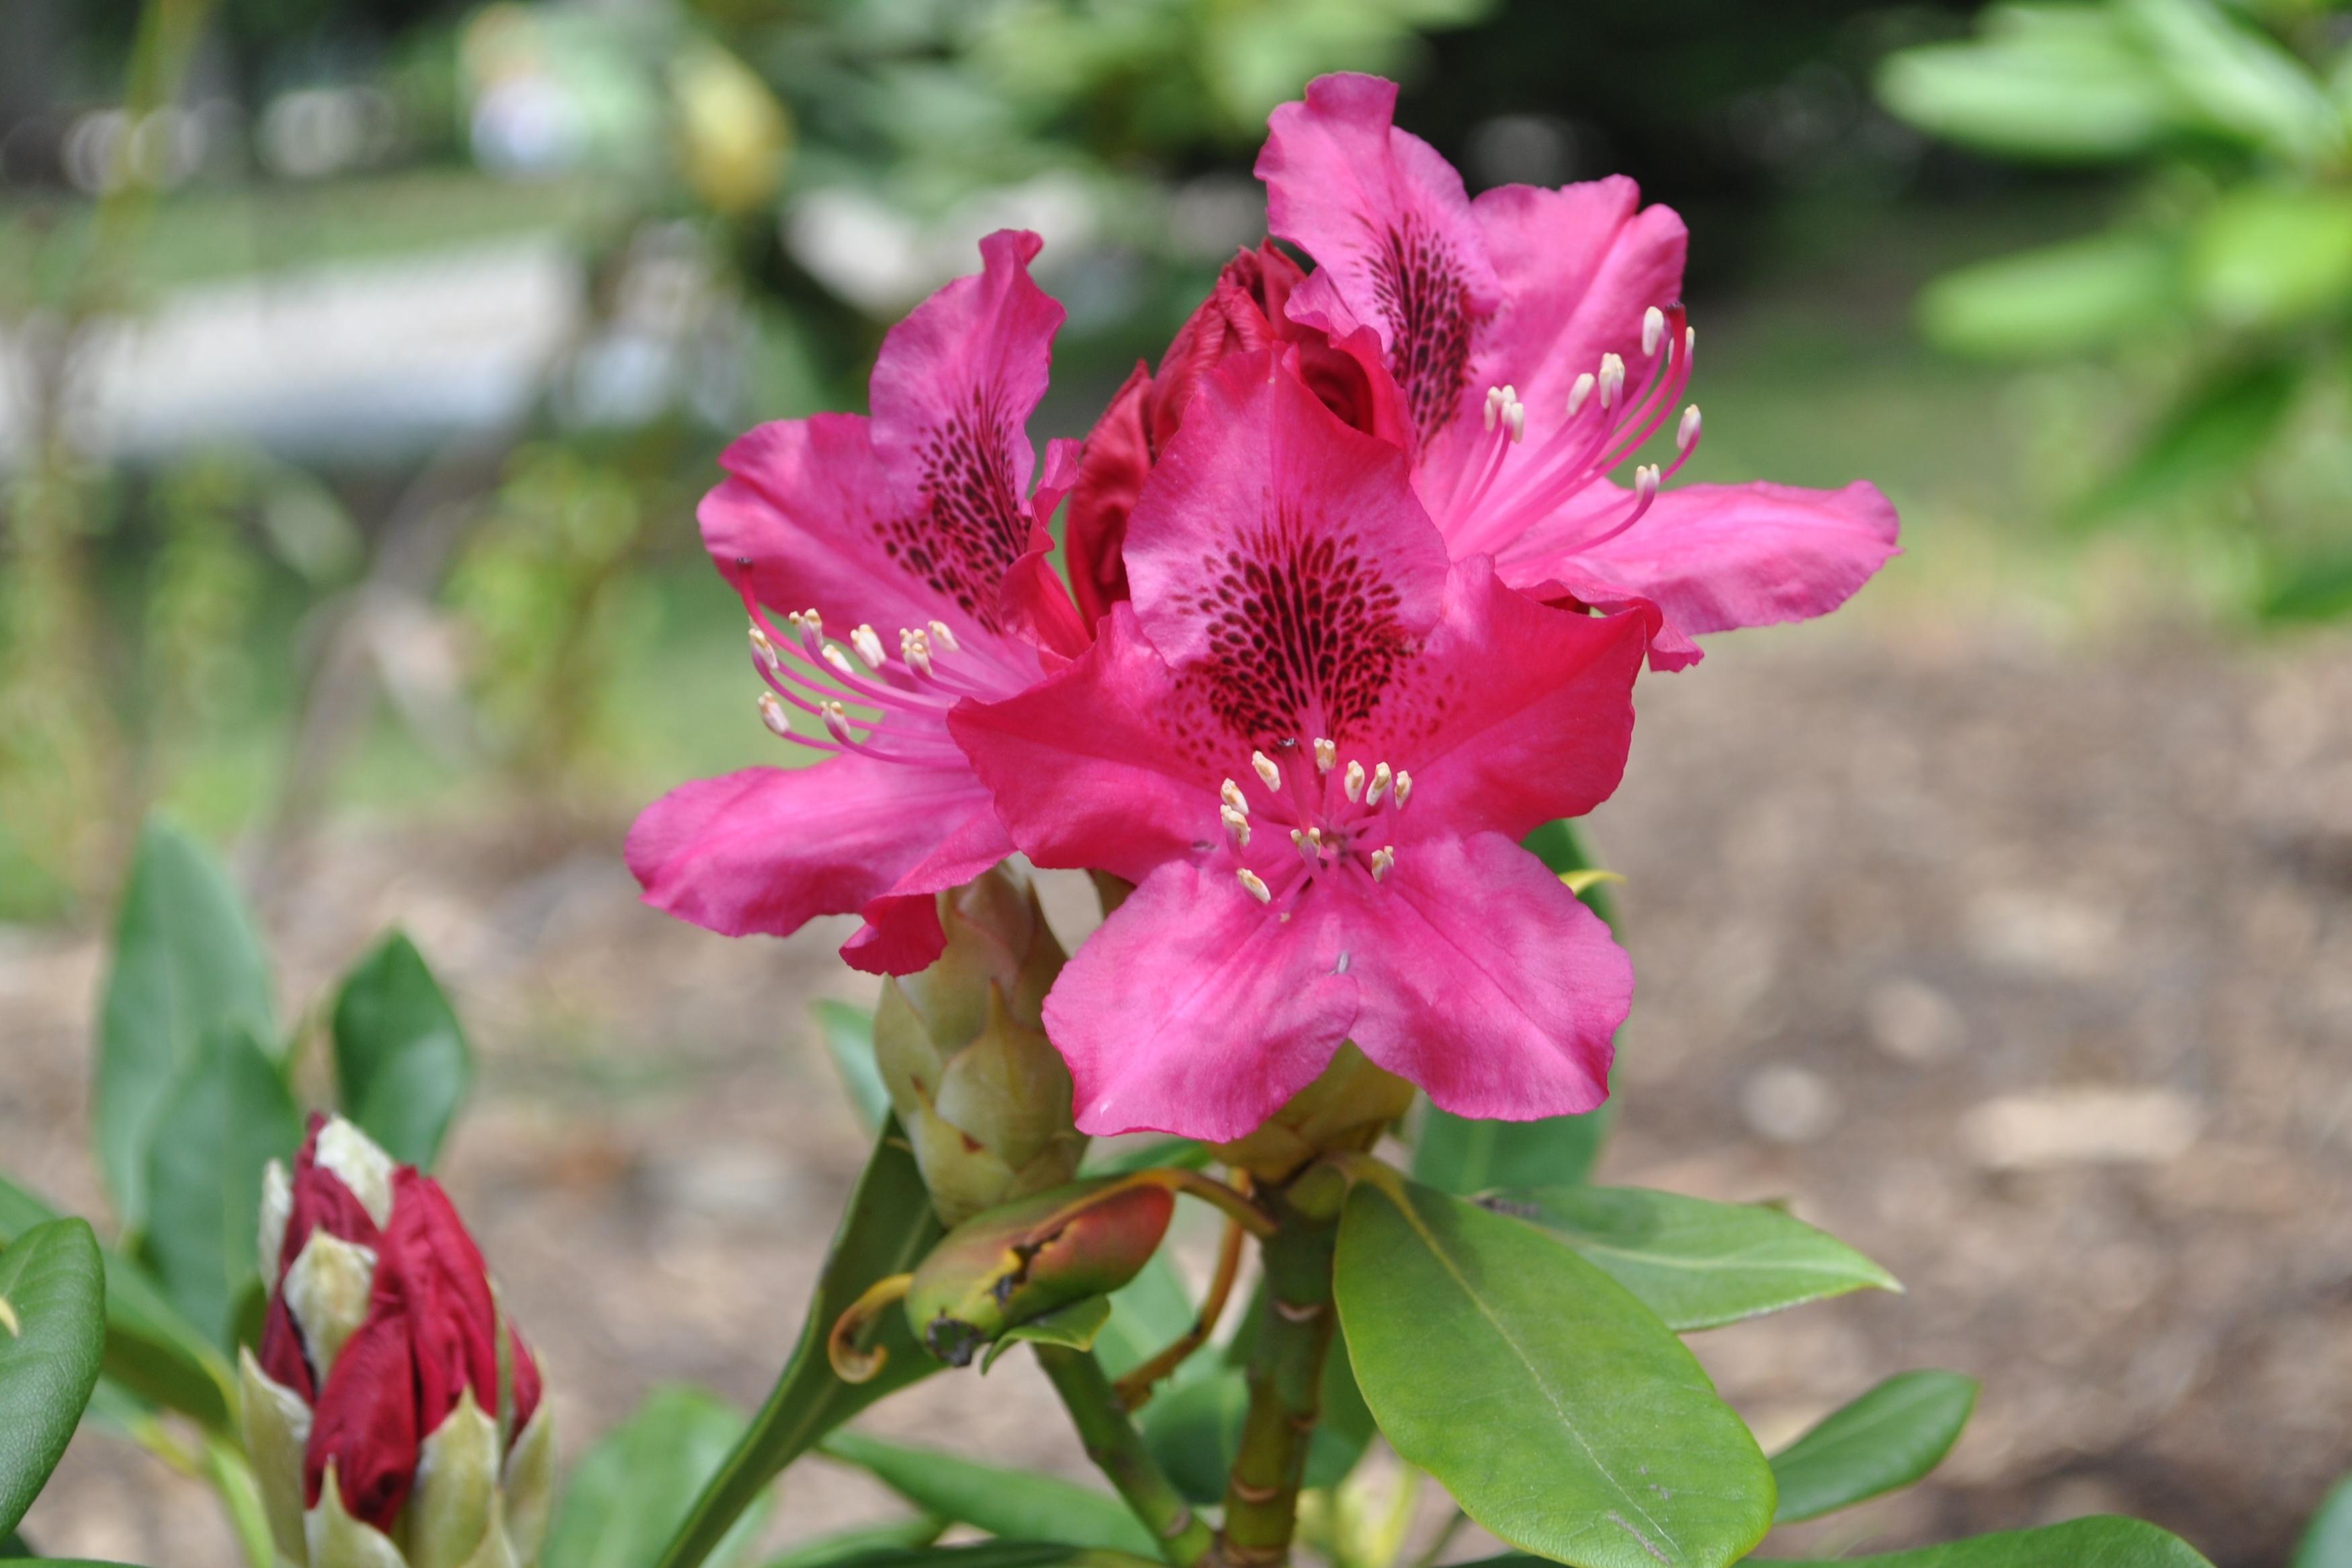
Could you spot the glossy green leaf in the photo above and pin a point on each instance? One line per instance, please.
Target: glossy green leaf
(2235, 79)
(631, 1490)
(187, 967)
(1193, 1426)
(2327, 1539)
(12, 1545)
(228, 1116)
(52, 1338)
(2100, 1541)
(998, 1555)
(151, 1351)
(848, 1034)
(862, 1543)
(2036, 85)
(888, 1227)
(1889, 1438)
(1075, 1326)
(2212, 436)
(401, 1059)
(1697, 1264)
(1561, 1415)
(2267, 256)
(1016, 1504)
(2056, 301)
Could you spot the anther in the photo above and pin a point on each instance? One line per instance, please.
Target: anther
(1690, 345)
(943, 637)
(1578, 393)
(1254, 884)
(1403, 788)
(1267, 773)
(916, 650)
(1494, 403)
(1381, 779)
(1654, 329)
(1237, 824)
(762, 649)
(1352, 781)
(1645, 485)
(839, 660)
(772, 714)
(868, 647)
(1613, 378)
(1231, 794)
(812, 623)
(1383, 858)
(1686, 433)
(1326, 756)
(836, 720)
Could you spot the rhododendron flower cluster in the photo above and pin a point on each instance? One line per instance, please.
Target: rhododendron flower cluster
(1356, 602)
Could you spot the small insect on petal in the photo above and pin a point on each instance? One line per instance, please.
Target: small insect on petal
(1352, 781)
(1231, 794)
(772, 714)
(1654, 329)
(1325, 754)
(1255, 885)
(1267, 773)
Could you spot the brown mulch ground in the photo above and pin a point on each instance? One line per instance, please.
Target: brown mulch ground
(2027, 968)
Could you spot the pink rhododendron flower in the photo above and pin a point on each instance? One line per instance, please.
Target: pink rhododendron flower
(912, 538)
(1523, 346)
(1314, 745)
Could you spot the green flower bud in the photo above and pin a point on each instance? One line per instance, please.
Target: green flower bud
(1029, 1257)
(1351, 1103)
(983, 1097)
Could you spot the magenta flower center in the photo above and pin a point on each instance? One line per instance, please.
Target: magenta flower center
(1340, 819)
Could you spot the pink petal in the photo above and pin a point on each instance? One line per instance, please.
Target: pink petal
(1033, 602)
(1196, 1010)
(1106, 764)
(902, 932)
(1485, 980)
(1281, 557)
(1387, 219)
(768, 849)
(1517, 713)
(1715, 557)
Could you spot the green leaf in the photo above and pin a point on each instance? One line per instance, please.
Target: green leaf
(12, 1545)
(2268, 257)
(1075, 1326)
(2100, 1541)
(1185, 1154)
(1889, 1438)
(1560, 1414)
(1457, 1155)
(228, 1116)
(1013, 1503)
(187, 967)
(52, 1337)
(151, 1350)
(632, 1490)
(849, 1039)
(2211, 438)
(2327, 1540)
(1561, 849)
(996, 1554)
(862, 1543)
(2056, 301)
(1146, 1315)
(888, 1227)
(1194, 1427)
(1697, 1264)
(2305, 588)
(2041, 83)
(401, 1059)
(2235, 79)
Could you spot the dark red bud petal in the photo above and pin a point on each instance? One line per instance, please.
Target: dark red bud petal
(433, 1268)
(526, 1381)
(1112, 466)
(366, 1424)
(322, 1202)
(282, 1355)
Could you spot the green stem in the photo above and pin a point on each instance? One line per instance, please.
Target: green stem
(1117, 1448)
(1286, 1386)
(232, 1477)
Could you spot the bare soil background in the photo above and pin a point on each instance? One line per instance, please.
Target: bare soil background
(2026, 967)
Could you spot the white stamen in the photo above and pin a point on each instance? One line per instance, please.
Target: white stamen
(1690, 345)
(1612, 379)
(772, 714)
(1308, 843)
(916, 650)
(1383, 858)
(1381, 779)
(1578, 393)
(1516, 417)
(836, 720)
(1645, 485)
(943, 637)
(1493, 401)
(1352, 781)
(839, 660)
(1327, 756)
(1237, 824)
(1686, 433)
(868, 647)
(1403, 788)
(812, 623)
(1231, 794)
(1267, 773)
(1653, 328)
(764, 650)
(1255, 885)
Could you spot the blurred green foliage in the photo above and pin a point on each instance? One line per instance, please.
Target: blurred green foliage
(2224, 281)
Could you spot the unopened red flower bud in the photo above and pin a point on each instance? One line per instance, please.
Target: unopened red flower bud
(1027, 1258)
(393, 1418)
